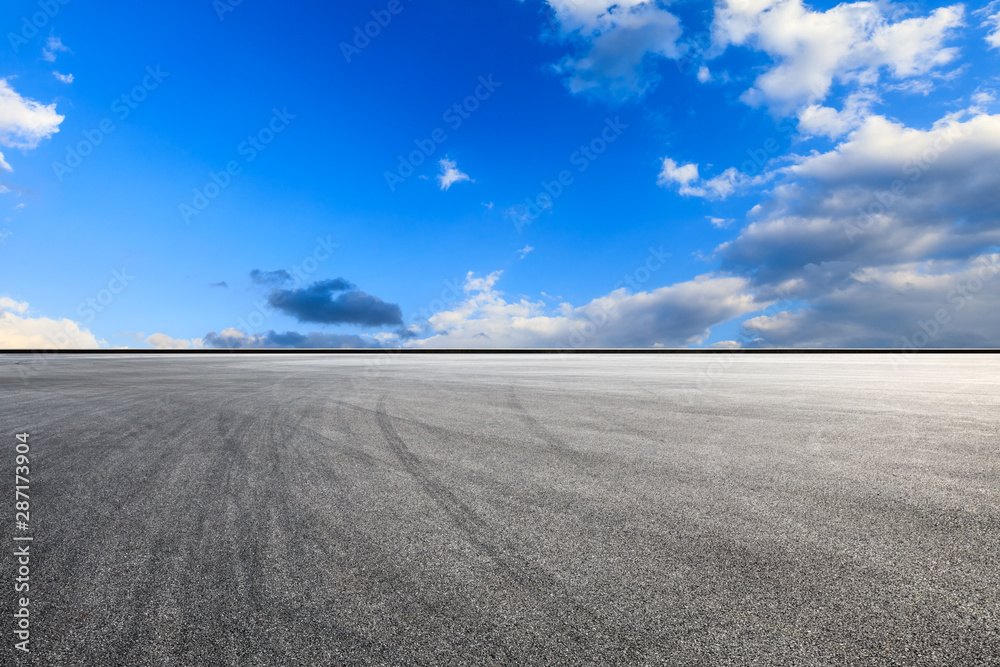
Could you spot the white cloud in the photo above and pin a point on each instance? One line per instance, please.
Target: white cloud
(816, 120)
(678, 315)
(450, 174)
(673, 173)
(8, 304)
(692, 185)
(590, 15)
(704, 75)
(523, 252)
(53, 47)
(619, 39)
(4, 234)
(18, 331)
(915, 46)
(720, 223)
(24, 122)
(991, 22)
(849, 43)
(164, 342)
(64, 78)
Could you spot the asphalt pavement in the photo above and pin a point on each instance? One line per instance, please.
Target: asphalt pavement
(505, 509)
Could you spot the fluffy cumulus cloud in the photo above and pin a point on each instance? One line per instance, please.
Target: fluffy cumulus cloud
(824, 121)
(889, 193)
(317, 303)
(236, 339)
(618, 42)
(24, 122)
(20, 331)
(852, 43)
(863, 243)
(673, 316)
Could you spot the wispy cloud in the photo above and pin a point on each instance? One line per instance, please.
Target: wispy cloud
(270, 277)
(720, 223)
(451, 174)
(53, 47)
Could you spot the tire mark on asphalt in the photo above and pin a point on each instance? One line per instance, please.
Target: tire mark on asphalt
(471, 526)
(555, 443)
(530, 578)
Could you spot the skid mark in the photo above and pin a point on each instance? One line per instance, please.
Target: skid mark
(533, 580)
(472, 527)
(553, 443)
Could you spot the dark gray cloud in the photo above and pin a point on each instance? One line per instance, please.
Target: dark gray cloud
(405, 334)
(317, 303)
(272, 278)
(230, 339)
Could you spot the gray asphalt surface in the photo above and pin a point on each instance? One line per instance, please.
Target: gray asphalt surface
(675, 510)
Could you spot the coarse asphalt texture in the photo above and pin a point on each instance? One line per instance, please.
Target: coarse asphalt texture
(506, 509)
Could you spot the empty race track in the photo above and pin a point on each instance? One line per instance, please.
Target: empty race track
(506, 509)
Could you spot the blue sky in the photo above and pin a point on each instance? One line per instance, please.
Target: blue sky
(215, 174)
